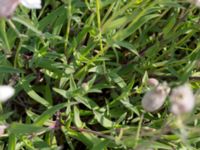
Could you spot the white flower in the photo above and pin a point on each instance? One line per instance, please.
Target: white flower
(155, 98)
(31, 4)
(6, 92)
(7, 7)
(182, 100)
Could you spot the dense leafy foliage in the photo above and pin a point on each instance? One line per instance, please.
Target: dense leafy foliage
(80, 69)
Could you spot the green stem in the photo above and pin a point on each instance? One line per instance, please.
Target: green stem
(69, 16)
(17, 54)
(137, 138)
(102, 50)
(99, 26)
(12, 25)
(4, 37)
(1, 108)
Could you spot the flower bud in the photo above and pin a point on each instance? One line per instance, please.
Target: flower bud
(7, 7)
(182, 100)
(6, 92)
(152, 82)
(155, 98)
(2, 129)
(85, 86)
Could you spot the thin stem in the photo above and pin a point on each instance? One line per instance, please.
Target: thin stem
(17, 53)
(138, 131)
(12, 25)
(1, 108)
(91, 61)
(99, 25)
(183, 132)
(93, 132)
(69, 16)
(4, 36)
(102, 50)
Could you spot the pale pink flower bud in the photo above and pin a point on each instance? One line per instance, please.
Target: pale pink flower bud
(85, 86)
(182, 100)
(2, 129)
(7, 7)
(152, 82)
(155, 98)
(52, 125)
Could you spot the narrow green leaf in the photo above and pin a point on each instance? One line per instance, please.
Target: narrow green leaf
(169, 26)
(28, 24)
(72, 84)
(136, 24)
(5, 116)
(117, 79)
(9, 69)
(105, 122)
(12, 141)
(49, 113)
(87, 102)
(25, 85)
(101, 145)
(51, 17)
(3, 36)
(125, 93)
(64, 93)
(24, 129)
(86, 138)
(77, 119)
(128, 46)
